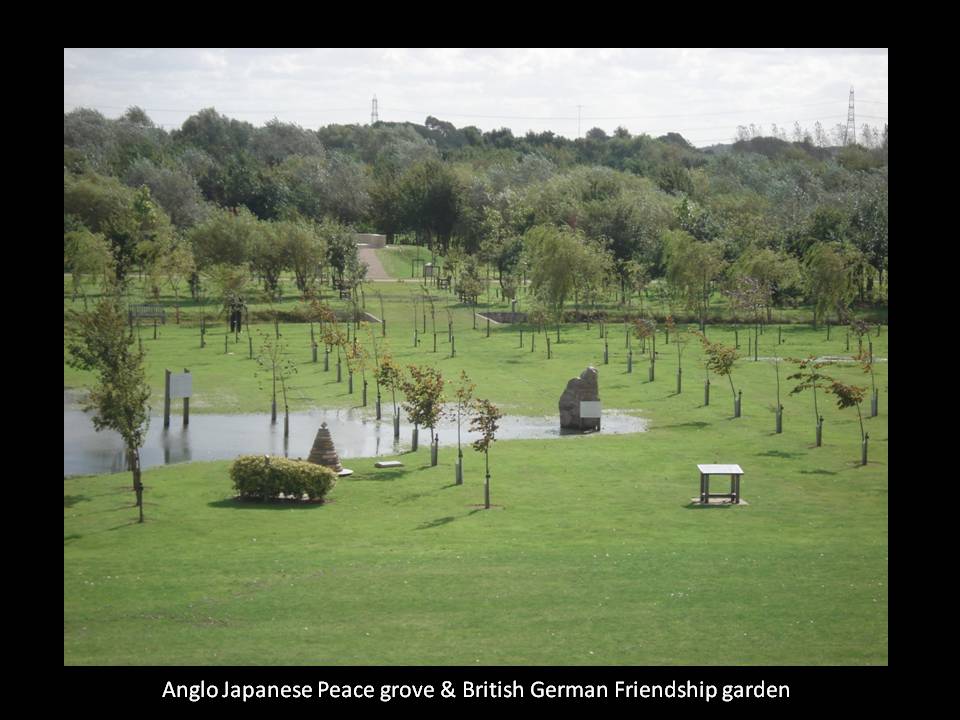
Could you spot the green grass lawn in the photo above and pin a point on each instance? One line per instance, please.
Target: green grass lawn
(523, 382)
(591, 557)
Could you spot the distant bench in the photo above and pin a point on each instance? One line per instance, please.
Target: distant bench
(146, 311)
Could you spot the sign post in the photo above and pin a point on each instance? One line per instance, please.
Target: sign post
(177, 385)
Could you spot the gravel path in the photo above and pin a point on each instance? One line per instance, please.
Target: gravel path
(375, 271)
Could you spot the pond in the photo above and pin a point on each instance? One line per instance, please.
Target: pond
(355, 433)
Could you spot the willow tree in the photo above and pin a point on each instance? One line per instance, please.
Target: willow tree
(556, 256)
(691, 268)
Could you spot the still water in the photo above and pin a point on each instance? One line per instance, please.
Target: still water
(355, 433)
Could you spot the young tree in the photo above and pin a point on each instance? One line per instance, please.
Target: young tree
(752, 296)
(88, 254)
(647, 328)
(484, 421)
(464, 393)
(720, 359)
(99, 341)
(274, 361)
(811, 378)
(357, 359)
(176, 265)
(865, 359)
(851, 396)
(424, 393)
(334, 337)
(390, 376)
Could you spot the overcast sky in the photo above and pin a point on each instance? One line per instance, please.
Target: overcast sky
(704, 94)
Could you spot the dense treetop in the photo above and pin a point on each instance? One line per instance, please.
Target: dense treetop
(760, 201)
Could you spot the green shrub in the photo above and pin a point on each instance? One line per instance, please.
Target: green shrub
(259, 477)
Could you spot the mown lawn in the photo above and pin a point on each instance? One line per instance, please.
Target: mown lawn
(591, 555)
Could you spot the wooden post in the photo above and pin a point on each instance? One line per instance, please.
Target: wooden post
(548, 348)
(186, 407)
(166, 398)
(779, 419)
(250, 343)
(629, 362)
(606, 353)
(706, 392)
(453, 346)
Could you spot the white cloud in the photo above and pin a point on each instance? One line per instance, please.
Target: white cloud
(702, 93)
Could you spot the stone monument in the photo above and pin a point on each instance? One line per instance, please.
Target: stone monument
(323, 452)
(579, 389)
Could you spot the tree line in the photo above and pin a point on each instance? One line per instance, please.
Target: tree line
(808, 222)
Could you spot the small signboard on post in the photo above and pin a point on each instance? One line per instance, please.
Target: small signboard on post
(181, 385)
(177, 385)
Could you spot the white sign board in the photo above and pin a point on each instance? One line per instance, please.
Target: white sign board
(181, 385)
(589, 408)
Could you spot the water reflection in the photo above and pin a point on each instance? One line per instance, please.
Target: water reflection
(223, 437)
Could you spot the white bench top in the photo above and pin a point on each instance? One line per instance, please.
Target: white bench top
(720, 469)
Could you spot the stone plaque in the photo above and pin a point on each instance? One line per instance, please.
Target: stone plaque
(590, 409)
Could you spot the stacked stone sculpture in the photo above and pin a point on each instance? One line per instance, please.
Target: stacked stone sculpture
(323, 452)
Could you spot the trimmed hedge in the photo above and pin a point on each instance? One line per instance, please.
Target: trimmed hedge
(259, 477)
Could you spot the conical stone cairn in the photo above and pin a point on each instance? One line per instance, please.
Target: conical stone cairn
(323, 452)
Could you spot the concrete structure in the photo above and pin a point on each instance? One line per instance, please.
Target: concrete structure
(371, 240)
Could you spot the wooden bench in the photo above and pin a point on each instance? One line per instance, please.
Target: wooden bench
(146, 311)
